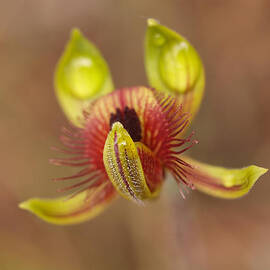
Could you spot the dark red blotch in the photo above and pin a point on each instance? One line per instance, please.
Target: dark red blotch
(130, 120)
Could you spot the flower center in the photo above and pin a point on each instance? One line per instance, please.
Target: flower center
(130, 120)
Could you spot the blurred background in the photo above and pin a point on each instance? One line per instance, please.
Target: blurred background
(232, 126)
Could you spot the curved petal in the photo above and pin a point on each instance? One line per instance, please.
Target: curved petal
(81, 75)
(222, 182)
(72, 210)
(173, 65)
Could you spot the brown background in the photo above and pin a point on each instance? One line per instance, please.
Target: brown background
(200, 232)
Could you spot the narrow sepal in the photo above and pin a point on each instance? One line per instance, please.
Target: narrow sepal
(222, 182)
(72, 210)
(81, 75)
(123, 165)
(173, 65)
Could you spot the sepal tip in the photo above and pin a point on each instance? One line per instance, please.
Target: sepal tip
(152, 22)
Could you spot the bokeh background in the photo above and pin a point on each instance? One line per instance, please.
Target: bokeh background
(233, 39)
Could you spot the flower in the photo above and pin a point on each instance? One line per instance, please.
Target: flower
(126, 141)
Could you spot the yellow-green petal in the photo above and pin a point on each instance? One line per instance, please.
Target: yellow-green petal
(66, 211)
(173, 65)
(123, 165)
(81, 75)
(221, 182)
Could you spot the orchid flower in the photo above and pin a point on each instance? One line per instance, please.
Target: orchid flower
(126, 141)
